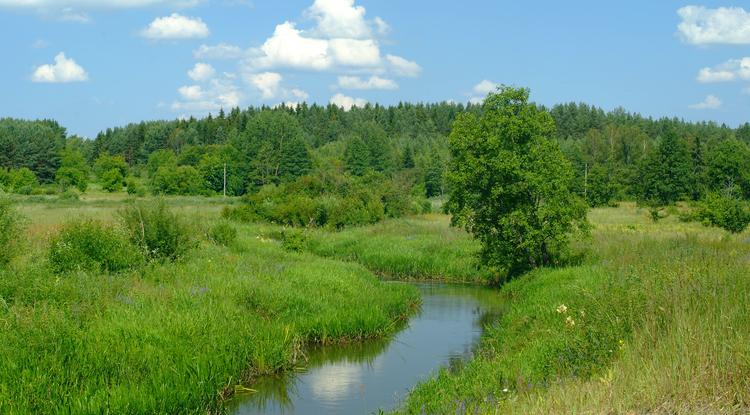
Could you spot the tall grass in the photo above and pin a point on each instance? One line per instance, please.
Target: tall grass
(416, 248)
(177, 337)
(656, 322)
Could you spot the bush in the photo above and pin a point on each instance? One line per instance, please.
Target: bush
(134, 188)
(68, 196)
(67, 177)
(22, 181)
(293, 240)
(182, 180)
(10, 232)
(112, 180)
(222, 234)
(160, 233)
(89, 245)
(725, 211)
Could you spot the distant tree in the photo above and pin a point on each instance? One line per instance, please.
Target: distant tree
(433, 180)
(357, 156)
(112, 181)
(159, 159)
(181, 180)
(511, 183)
(106, 163)
(600, 189)
(666, 173)
(22, 180)
(408, 160)
(295, 160)
(73, 171)
(728, 167)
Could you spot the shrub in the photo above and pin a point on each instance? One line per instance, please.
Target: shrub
(68, 196)
(725, 211)
(293, 240)
(10, 232)
(159, 232)
(22, 181)
(112, 180)
(69, 176)
(134, 188)
(222, 234)
(182, 180)
(89, 245)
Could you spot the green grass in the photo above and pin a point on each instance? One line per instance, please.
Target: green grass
(416, 248)
(174, 338)
(655, 322)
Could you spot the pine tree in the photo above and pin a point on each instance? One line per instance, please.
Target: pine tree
(295, 160)
(357, 156)
(666, 174)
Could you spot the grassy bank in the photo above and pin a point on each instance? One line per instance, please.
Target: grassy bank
(416, 248)
(173, 338)
(654, 322)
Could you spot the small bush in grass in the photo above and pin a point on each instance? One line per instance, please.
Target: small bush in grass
(134, 188)
(293, 240)
(112, 180)
(158, 231)
(10, 232)
(222, 234)
(725, 211)
(89, 245)
(69, 195)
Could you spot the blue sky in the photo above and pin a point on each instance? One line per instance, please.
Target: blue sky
(93, 64)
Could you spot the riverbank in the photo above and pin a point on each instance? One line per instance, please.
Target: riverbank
(174, 338)
(655, 321)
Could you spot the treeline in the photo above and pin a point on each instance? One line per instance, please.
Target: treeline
(404, 146)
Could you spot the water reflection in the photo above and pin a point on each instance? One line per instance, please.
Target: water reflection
(362, 378)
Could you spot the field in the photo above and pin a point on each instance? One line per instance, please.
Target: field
(173, 338)
(653, 320)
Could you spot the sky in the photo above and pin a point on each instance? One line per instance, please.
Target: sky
(94, 64)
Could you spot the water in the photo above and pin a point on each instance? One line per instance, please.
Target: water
(360, 379)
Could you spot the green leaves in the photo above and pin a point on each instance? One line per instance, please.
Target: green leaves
(511, 184)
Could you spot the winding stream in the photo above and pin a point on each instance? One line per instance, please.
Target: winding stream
(363, 378)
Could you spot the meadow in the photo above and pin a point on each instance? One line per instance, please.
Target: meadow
(173, 337)
(652, 320)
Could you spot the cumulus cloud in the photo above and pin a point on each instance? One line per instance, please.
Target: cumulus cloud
(480, 91)
(347, 102)
(289, 48)
(63, 70)
(339, 19)
(731, 70)
(174, 27)
(218, 93)
(374, 82)
(267, 83)
(403, 67)
(201, 72)
(219, 51)
(710, 103)
(702, 26)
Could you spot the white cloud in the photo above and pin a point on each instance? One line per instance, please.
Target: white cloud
(176, 26)
(374, 82)
(403, 67)
(268, 83)
(381, 26)
(219, 93)
(353, 52)
(63, 70)
(702, 26)
(220, 51)
(201, 72)
(69, 14)
(289, 48)
(339, 19)
(731, 70)
(710, 103)
(192, 92)
(485, 87)
(40, 44)
(346, 102)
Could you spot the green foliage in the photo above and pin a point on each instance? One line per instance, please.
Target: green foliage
(666, 173)
(511, 184)
(223, 234)
(181, 180)
(357, 157)
(11, 232)
(725, 211)
(157, 231)
(88, 245)
(160, 158)
(105, 163)
(73, 171)
(22, 181)
(293, 240)
(35, 145)
(600, 189)
(729, 167)
(134, 188)
(112, 180)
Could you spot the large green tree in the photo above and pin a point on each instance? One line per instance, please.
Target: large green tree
(511, 183)
(666, 173)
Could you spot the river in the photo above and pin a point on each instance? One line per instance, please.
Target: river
(364, 378)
